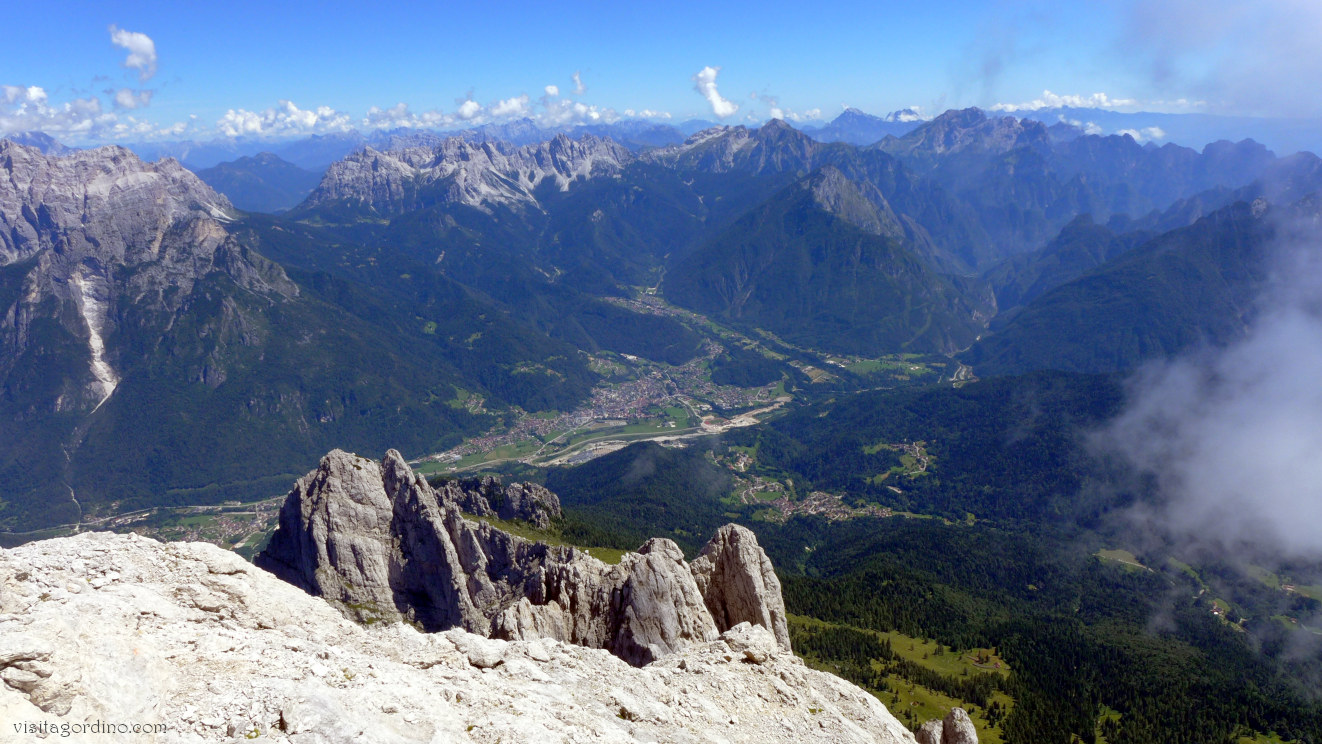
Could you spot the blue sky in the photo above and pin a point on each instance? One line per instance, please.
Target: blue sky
(282, 69)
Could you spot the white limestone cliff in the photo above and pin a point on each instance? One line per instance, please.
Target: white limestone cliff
(122, 629)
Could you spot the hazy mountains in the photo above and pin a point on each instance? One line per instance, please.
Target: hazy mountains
(1189, 287)
(261, 183)
(146, 324)
(822, 266)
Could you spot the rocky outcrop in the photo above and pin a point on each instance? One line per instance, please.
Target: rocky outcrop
(860, 204)
(739, 584)
(457, 171)
(122, 629)
(955, 728)
(488, 497)
(930, 732)
(381, 544)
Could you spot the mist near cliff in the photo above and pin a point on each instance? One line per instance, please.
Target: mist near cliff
(1231, 438)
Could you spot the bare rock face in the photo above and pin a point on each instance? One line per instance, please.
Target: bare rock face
(930, 732)
(488, 497)
(955, 728)
(739, 583)
(457, 171)
(381, 544)
(122, 629)
(103, 233)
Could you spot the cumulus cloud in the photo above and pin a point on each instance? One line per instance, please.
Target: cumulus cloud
(776, 111)
(1051, 100)
(400, 117)
(1231, 437)
(562, 113)
(1146, 134)
(24, 94)
(127, 98)
(282, 120)
(29, 108)
(907, 115)
(141, 49)
(1088, 127)
(518, 106)
(553, 90)
(579, 88)
(705, 83)
(469, 109)
(646, 114)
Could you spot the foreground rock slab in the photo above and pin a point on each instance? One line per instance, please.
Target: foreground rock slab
(123, 629)
(379, 543)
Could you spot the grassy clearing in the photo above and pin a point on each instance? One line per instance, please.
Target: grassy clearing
(1312, 592)
(1256, 738)
(1125, 558)
(900, 366)
(914, 703)
(528, 532)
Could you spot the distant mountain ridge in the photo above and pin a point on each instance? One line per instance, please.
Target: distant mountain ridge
(476, 174)
(261, 183)
(1193, 286)
(858, 128)
(822, 266)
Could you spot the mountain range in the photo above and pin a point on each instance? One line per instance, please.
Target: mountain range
(148, 322)
(883, 348)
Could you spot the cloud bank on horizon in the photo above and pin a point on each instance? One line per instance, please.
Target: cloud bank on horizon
(1214, 56)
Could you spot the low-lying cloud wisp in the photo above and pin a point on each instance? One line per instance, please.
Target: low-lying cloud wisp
(1232, 438)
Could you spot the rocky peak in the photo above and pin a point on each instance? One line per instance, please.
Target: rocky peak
(955, 728)
(775, 147)
(40, 140)
(970, 130)
(99, 230)
(739, 584)
(381, 544)
(107, 194)
(480, 174)
(860, 204)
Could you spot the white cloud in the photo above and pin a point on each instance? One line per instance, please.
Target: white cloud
(283, 120)
(646, 114)
(579, 88)
(519, 106)
(28, 108)
(1230, 435)
(174, 130)
(776, 111)
(24, 94)
(1089, 127)
(552, 90)
(907, 115)
(400, 117)
(562, 113)
(126, 98)
(705, 83)
(469, 110)
(1051, 100)
(1146, 134)
(141, 49)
